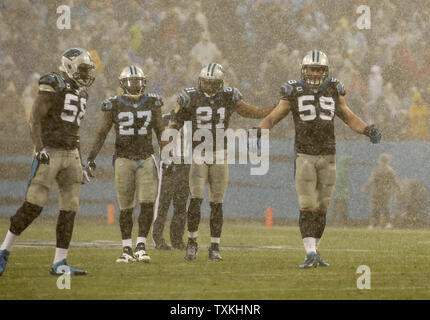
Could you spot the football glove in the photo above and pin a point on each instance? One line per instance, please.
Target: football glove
(43, 156)
(254, 141)
(166, 167)
(374, 134)
(88, 171)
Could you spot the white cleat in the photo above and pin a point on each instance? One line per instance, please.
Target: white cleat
(127, 256)
(140, 253)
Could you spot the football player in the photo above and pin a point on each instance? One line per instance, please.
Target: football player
(54, 126)
(314, 101)
(173, 187)
(210, 106)
(133, 114)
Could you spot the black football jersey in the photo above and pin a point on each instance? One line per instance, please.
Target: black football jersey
(313, 114)
(60, 126)
(207, 113)
(133, 123)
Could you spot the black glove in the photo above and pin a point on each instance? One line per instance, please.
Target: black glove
(43, 156)
(167, 167)
(254, 142)
(88, 171)
(91, 167)
(374, 134)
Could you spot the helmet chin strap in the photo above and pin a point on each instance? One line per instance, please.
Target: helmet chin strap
(209, 96)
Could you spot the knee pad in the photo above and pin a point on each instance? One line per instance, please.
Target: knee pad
(126, 223)
(24, 217)
(216, 219)
(306, 202)
(65, 222)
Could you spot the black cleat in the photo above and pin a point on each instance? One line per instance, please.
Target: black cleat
(191, 253)
(214, 255)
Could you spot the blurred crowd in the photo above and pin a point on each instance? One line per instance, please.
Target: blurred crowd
(260, 43)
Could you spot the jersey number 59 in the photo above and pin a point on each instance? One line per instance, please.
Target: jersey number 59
(308, 112)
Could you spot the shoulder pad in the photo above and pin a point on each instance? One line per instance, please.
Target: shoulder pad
(339, 86)
(158, 99)
(51, 83)
(184, 97)
(287, 89)
(236, 95)
(107, 103)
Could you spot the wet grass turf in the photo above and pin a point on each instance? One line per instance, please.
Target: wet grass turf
(259, 264)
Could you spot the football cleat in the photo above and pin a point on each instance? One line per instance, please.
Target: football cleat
(311, 261)
(321, 262)
(61, 267)
(162, 245)
(127, 256)
(4, 256)
(192, 248)
(214, 255)
(140, 253)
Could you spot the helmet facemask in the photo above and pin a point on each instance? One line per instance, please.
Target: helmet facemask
(132, 81)
(133, 86)
(314, 68)
(316, 79)
(85, 75)
(211, 86)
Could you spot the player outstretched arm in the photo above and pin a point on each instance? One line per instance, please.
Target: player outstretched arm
(248, 111)
(278, 113)
(356, 124)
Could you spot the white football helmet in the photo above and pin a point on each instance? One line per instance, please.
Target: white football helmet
(314, 59)
(132, 81)
(79, 66)
(211, 79)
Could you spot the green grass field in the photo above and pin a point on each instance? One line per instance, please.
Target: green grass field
(259, 264)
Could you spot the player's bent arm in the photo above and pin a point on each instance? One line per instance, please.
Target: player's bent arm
(40, 108)
(280, 112)
(350, 118)
(102, 133)
(175, 122)
(248, 111)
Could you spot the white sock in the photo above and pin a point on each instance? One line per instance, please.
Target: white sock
(141, 240)
(309, 244)
(215, 240)
(193, 234)
(127, 243)
(60, 254)
(8, 241)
